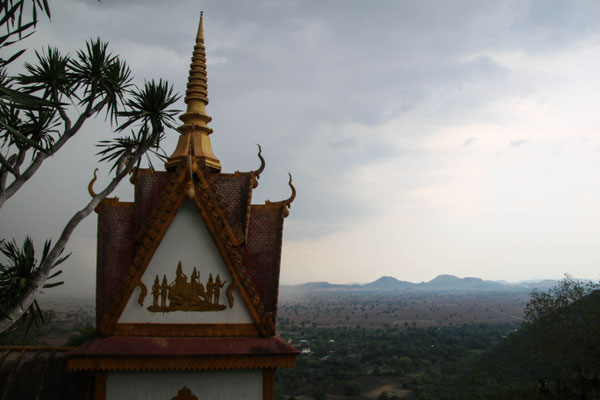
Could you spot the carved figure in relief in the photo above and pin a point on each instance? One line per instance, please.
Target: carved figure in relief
(197, 286)
(218, 286)
(155, 292)
(210, 289)
(164, 290)
(186, 296)
(181, 277)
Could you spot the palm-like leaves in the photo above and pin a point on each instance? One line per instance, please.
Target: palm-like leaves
(17, 272)
(150, 105)
(94, 78)
(100, 75)
(149, 109)
(11, 17)
(35, 121)
(49, 75)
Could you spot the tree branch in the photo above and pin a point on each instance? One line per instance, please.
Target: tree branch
(41, 157)
(38, 281)
(61, 111)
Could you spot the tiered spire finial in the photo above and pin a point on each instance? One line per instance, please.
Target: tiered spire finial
(194, 140)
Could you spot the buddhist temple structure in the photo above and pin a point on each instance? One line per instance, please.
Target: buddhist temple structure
(188, 277)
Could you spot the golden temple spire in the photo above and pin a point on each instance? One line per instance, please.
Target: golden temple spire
(194, 140)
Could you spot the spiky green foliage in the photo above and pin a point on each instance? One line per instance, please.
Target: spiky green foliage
(11, 19)
(148, 109)
(94, 79)
(100, 75)
(44, 107)
(17, 269)
(151, 106)
(16, 29)
(49, 75)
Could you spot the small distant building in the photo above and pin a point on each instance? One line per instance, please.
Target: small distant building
(187, 283)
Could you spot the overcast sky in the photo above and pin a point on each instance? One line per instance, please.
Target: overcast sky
(424, 137)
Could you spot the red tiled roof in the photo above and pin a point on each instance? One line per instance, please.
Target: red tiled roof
(236, 191)
(148, 188)
(116, 251)
(124, 346)
(263, 252)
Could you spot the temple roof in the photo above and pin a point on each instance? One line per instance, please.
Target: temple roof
(247, 236)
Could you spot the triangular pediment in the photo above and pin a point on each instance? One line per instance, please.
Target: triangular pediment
(186, 229)
(187, 281)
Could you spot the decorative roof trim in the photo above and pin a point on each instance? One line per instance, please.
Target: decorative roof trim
(180, 363)
(91, 184)
(285, 204)
(148, 238)
(256, 174)
(208, 202)
(206, 330)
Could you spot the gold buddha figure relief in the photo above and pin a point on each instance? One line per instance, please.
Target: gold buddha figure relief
(186, 296)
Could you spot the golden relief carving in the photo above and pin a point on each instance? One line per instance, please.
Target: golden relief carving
(185, 394)
(186, 296)
(229, 293)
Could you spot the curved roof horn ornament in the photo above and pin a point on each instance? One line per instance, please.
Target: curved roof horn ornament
(256, 174)
(91, 184)
(287, 203)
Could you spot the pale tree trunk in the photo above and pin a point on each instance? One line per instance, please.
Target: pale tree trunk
(69, 131)
(125, 165)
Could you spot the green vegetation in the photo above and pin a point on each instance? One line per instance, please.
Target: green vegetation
(341, 358)
(552, 355)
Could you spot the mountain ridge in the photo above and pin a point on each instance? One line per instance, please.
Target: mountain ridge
(443, 282)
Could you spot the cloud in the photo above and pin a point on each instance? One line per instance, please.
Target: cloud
(371, 107)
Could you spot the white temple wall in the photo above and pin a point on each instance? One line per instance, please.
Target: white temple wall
(214, 385)
(187, 241)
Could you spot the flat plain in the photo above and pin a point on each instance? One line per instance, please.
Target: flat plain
(375, 309)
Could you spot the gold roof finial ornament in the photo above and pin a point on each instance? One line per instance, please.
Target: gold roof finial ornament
(288, 203)
(194, 140)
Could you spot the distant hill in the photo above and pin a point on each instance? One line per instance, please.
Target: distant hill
(389, 283)
(325, 286)
(440, 283)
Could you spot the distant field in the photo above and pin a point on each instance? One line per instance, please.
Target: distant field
(335, 308)
(69, 315)
(339, 308)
